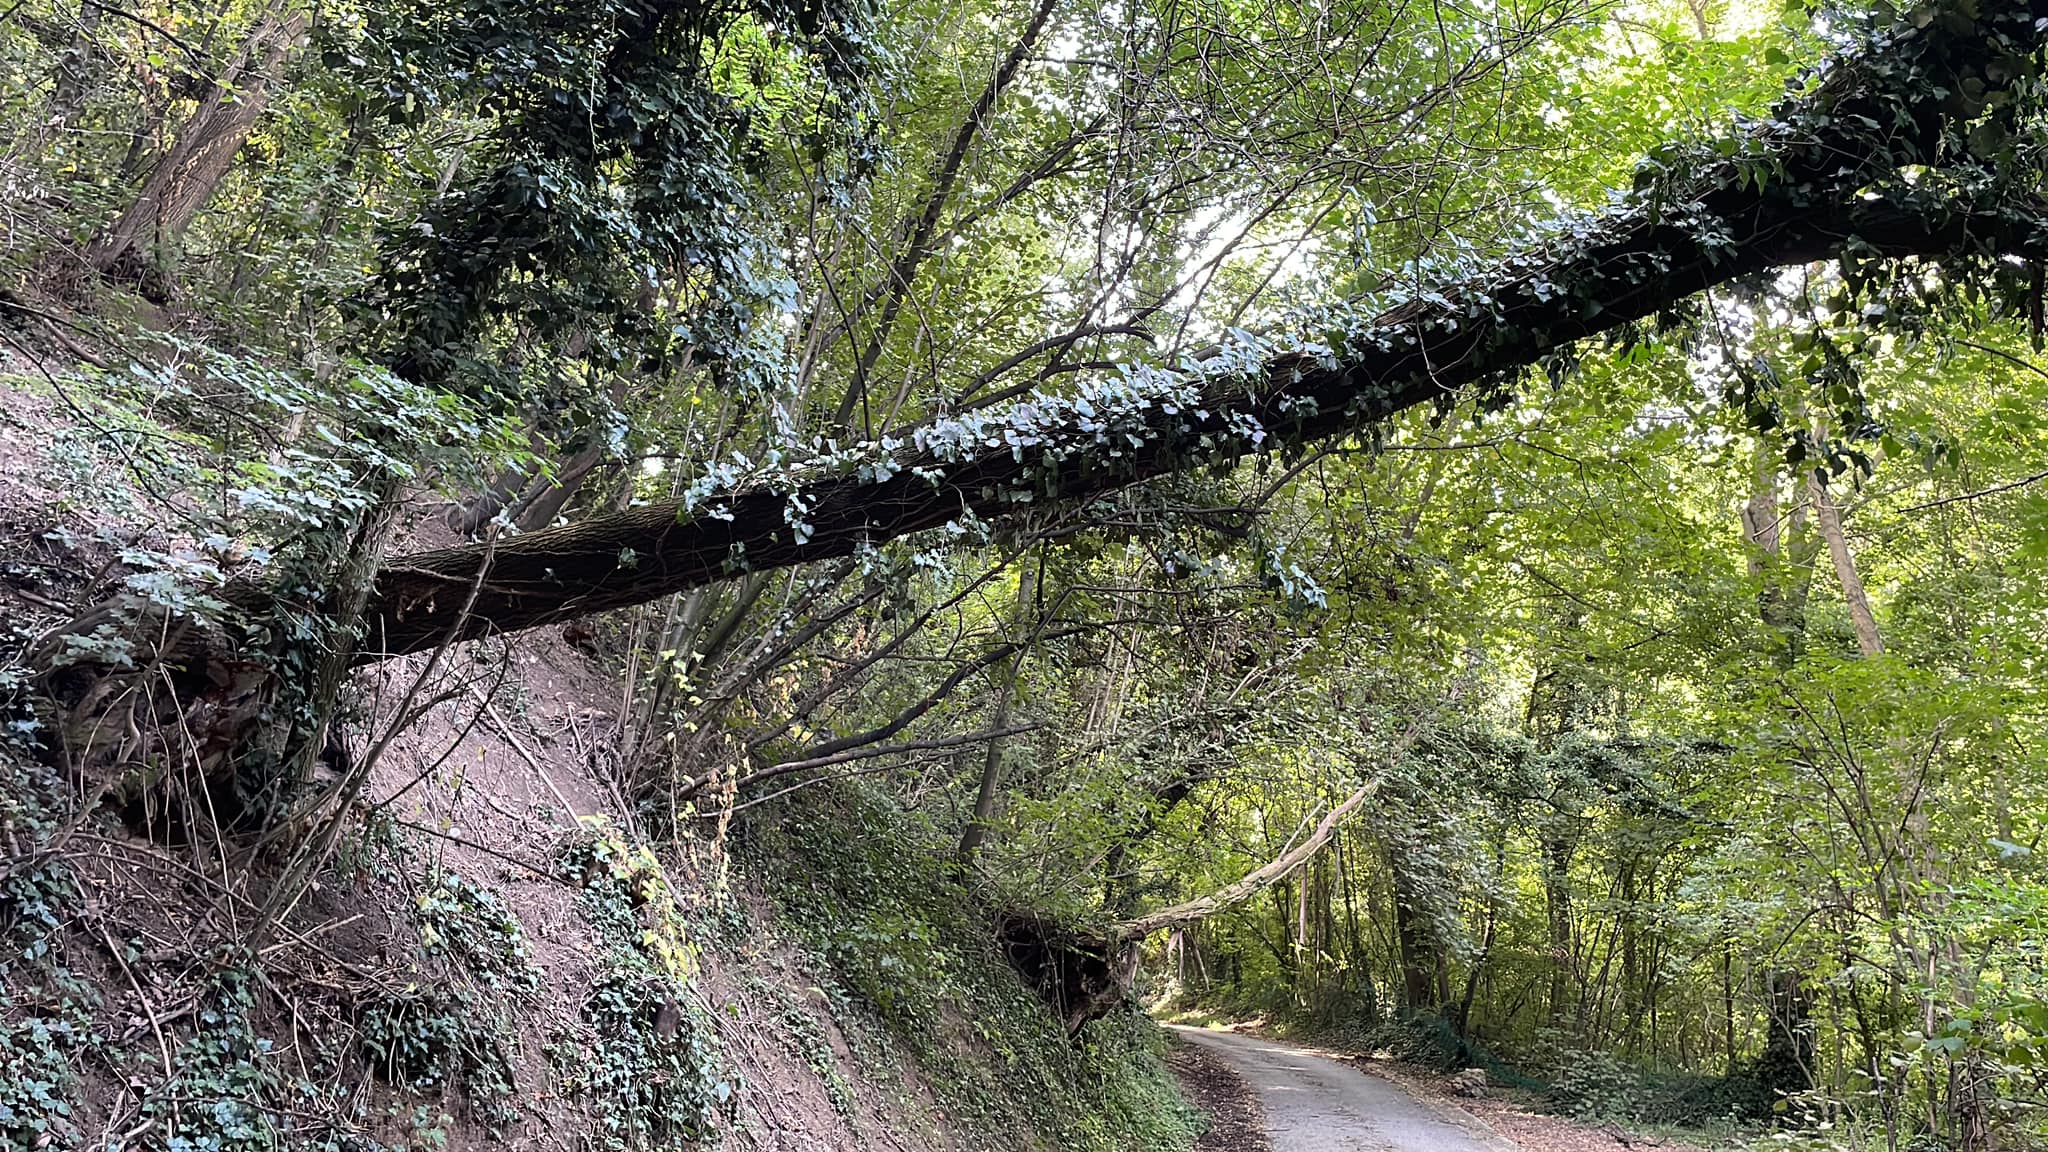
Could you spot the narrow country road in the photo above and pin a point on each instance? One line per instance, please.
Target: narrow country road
(1316, 1104)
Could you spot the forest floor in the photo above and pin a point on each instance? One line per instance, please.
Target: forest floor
(1304, 1099)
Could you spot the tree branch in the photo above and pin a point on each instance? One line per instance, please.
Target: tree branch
(787, 767)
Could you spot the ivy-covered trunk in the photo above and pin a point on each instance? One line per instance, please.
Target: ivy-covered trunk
(1641, 262)
(1785, 1066)
(1415, 937)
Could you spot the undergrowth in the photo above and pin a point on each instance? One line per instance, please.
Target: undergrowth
(802, 1036)
(645, 1057)
(263, 1059)
(870, 892)
(46, 1013)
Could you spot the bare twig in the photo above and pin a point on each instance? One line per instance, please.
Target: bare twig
(1994, 490)
(504, 729)
(787, 767)
(115, 950)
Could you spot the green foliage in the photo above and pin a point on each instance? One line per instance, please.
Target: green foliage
(1675, 761)
(1659, 767)
(1597, 1086)
(231, 1091)
(654, 1073)
(38, 892)
(645, 1057)
(1426, 1040)
(613, 176)
(36, 1082)
(469, 923)
(905, 942)
(277, 472)
(431, 1042)
(216, 1100)
(45, 1013)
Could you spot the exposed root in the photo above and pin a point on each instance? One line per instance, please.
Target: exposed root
(1082, 977)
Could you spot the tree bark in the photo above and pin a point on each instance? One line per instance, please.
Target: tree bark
(1781, 556)
(1760, 527)
(1565, 979)
(645, 553)
(541, 511)
(1827, 518)
(1415, 935)
(185, 179)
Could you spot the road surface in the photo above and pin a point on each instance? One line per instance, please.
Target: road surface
(1316, 1104)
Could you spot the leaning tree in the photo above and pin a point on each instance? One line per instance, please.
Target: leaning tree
(1918, 144)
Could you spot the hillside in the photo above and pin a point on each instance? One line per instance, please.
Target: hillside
(491, 955)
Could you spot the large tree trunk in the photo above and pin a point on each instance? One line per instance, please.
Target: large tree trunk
(182, 182)
(1410, 358)
(1721, 224)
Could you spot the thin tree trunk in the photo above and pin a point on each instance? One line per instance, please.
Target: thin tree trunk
(1785, 560)
(975, 834)
(540, 512)
(1827, 519)
(1760, 527)
(1728, 1005)
(80, 68)
(1359, 964)
(1288, 862)
(1463, 1017)
(1781, 554)
(918, 233)
(1557, 902)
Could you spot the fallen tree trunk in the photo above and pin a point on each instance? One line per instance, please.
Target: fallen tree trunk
(1794, 193)
(1255, 881)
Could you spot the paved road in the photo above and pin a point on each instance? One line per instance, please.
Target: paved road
(1316, 1104)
